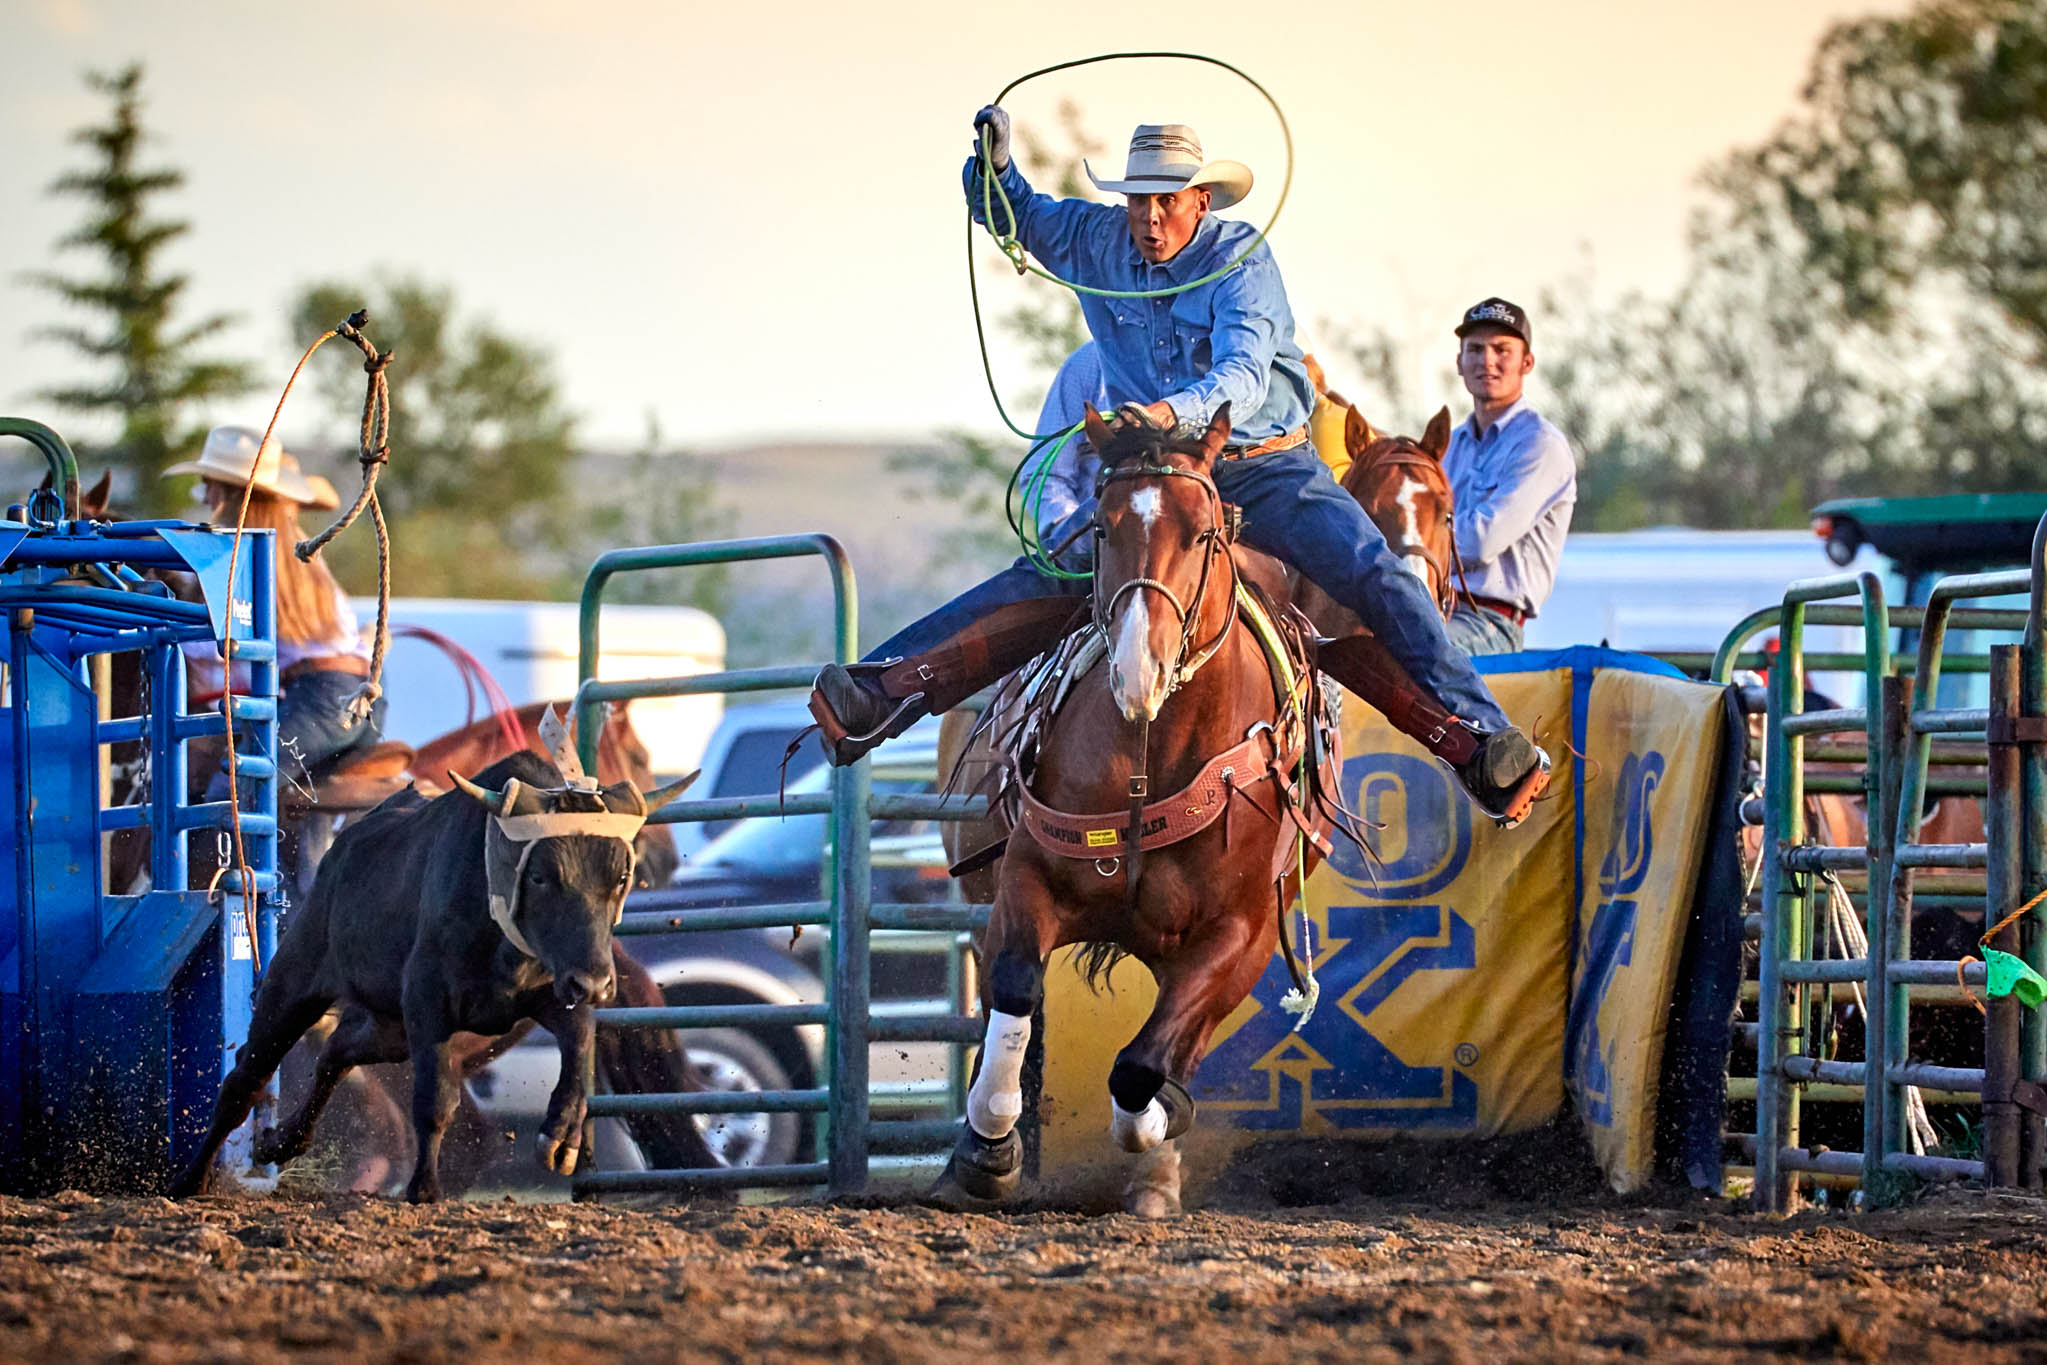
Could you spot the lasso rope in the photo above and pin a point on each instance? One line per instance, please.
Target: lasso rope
(1013, 251)
(373, 452)
(376, 401)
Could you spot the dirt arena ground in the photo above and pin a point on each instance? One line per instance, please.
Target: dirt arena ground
(1261, 1273)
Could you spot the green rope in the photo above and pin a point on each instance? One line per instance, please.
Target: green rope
(1012, 250)
(1032, 483)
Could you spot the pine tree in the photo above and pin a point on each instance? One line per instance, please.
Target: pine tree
(155, 377)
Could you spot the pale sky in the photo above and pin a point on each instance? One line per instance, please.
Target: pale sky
(746, 217)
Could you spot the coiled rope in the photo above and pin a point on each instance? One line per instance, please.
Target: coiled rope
(1045, 447)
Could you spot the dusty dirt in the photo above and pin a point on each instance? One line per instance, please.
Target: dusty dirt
(1440, 1272)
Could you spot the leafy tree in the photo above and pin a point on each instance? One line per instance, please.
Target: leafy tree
(487, 490)
(482, 444)
(155, 376)
(1865, 306)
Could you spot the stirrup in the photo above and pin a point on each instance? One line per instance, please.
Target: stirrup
(843, 746)
(1515, 803)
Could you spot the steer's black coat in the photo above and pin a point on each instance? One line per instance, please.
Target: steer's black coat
(397, 930)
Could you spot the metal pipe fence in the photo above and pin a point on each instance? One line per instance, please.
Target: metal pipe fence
(856, 927)
(1802, 960)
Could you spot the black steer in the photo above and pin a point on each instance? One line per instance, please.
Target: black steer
(399, 928)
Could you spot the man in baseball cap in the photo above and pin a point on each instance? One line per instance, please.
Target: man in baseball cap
(1513, 481)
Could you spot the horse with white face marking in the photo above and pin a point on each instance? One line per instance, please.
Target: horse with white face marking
(1401, 485)
(1186, 703)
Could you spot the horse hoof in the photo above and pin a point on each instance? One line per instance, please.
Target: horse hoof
(267, 1150)
(1151, 1203)
(983, 1171)
(1179, 1107)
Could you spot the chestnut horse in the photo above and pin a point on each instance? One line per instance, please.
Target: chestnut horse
(1185, 684)
(1401, 484)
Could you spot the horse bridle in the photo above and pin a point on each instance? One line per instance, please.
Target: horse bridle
(1214, 541)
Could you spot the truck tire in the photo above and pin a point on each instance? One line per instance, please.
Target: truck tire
(732, 1059)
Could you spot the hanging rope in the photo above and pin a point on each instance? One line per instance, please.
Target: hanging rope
(375, 423)
(373, 453)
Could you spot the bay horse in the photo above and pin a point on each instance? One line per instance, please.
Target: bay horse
(1184, 702)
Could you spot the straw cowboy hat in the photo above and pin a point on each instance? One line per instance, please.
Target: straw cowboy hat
(230, 456)
(1165, 157)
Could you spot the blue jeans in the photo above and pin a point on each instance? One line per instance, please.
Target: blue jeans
(1478, 631)
(1294, 511)
(313, 727)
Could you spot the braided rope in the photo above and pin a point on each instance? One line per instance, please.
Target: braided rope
(373, 453)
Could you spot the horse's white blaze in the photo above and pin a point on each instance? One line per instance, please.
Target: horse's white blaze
(1137, 679)
(1411, 525)
(996, 1101)
(1145, 502)
(1139, 1132)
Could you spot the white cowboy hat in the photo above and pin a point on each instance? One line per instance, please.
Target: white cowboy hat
(1167, 156)
(230, 456)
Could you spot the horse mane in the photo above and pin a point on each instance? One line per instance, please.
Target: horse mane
(1134, 443)
(1095, 961)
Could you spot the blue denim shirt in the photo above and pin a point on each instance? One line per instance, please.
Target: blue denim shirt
(1228, 341)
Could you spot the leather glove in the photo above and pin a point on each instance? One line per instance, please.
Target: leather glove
(995, 119)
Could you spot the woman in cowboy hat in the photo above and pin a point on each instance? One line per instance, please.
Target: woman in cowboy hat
(322, 657)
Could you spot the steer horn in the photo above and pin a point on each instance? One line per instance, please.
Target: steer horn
(492, 801)
(661, 796)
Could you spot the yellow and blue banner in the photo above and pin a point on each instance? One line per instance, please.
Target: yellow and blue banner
(1471, 977)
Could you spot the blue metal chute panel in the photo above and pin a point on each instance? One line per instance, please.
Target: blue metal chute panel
(119, 1014)
(147, 1051)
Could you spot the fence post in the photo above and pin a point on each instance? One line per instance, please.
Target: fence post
(1881, 1106)
(2002, 875)
(2033, 849)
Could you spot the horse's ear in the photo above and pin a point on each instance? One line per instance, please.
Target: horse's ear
(1218, 434)
(1436, 439)
(1357, 432)
(44, 486)
(1316, 374)
(1097, 429)
(94, 503)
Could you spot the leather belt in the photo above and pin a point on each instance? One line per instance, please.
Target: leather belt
(327, 663)
(1498, 608)
(1290, 440)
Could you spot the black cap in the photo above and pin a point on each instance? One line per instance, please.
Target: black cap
(1496, 312)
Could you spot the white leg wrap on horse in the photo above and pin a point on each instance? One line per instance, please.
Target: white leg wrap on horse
(1139, 1132)
(996, 1101)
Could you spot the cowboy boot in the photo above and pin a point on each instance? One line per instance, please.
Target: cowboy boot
(857, 706)
(1502, 771)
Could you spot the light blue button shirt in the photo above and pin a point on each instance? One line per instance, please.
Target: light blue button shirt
(1228, 341)
(1514, 487)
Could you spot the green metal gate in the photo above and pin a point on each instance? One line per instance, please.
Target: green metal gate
(849, 915)
(1894, 750)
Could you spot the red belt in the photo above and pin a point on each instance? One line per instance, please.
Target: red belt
(1498, 608)
(1284, 441)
